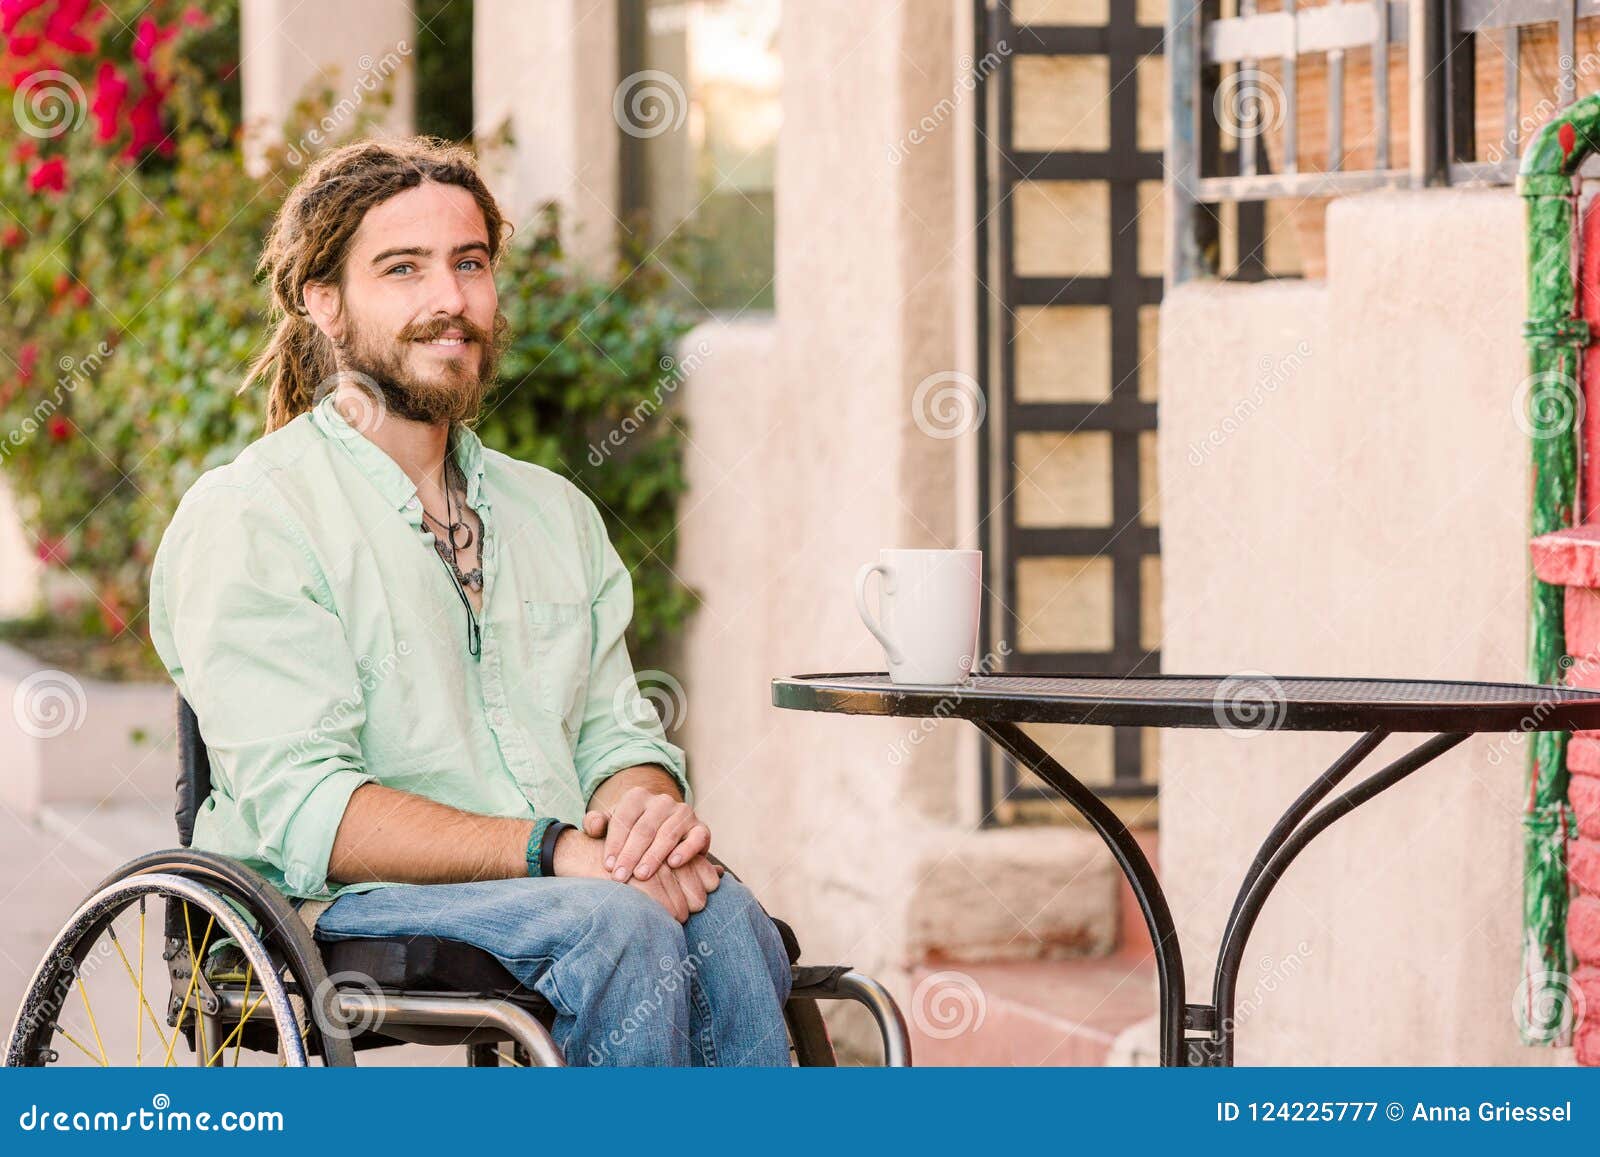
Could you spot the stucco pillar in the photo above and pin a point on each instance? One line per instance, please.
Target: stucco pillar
(544, 77)
(359, 44)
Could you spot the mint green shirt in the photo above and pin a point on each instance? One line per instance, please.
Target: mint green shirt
(323, 645)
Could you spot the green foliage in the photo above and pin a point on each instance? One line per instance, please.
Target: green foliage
(586, 389)
(444, 69)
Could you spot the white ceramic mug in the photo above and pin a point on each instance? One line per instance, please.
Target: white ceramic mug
(927, 615)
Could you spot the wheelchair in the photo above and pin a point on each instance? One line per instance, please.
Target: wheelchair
(237, 977)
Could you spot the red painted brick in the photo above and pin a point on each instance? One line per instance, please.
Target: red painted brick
(1583, 671)
(1583, 753)
(1582, 616)
(1583, 866)
(1569, 558)
(1583, 929)
(1583, 792)
(1586, 1032)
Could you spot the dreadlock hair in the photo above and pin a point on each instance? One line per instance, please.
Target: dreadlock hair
(310, 242)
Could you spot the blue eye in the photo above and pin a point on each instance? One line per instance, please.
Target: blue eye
(397, 268)
(473, 261)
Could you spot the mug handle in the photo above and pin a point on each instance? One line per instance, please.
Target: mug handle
(862, 576)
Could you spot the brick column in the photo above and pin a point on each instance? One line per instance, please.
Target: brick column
(1571, 559)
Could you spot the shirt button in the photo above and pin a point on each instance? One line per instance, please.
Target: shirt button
(411, 504)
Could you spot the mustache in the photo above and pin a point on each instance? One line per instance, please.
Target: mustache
(437, 327)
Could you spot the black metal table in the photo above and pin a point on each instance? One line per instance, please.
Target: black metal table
(997, 704)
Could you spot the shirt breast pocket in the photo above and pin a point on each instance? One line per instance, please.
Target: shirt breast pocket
(559, 636)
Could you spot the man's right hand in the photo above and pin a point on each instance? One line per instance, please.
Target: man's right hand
(682, 891)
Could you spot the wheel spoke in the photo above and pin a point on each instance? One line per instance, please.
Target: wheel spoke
(93, 1027)
(139, 984)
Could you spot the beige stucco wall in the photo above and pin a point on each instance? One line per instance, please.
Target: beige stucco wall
(288, 44)
(806, 460)
(1363, 513)
(546, 73)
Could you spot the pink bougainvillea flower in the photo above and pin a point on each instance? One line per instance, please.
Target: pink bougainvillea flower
(12, 11)
(80, 295)
(63, 29)
(25, 151)
(144, 118)
(60, 429)
(195, 18)
(12, 237)
(22, 46)
(110, 89)
(27, 358)
(62, 283)
(51, 174)
(148, 37)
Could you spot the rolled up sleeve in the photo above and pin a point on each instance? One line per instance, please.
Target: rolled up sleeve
(621, 728)
(245, 623)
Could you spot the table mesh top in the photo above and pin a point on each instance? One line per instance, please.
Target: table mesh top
(1209, 688)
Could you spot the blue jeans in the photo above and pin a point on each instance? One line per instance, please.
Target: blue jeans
(629, 984)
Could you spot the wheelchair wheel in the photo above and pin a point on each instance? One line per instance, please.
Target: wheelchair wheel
(181, 957)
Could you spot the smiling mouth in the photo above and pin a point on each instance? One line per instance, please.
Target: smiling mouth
(444, 342)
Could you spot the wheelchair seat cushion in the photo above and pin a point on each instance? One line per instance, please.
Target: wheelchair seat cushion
(436, 964)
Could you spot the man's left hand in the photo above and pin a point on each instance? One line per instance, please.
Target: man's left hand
(644, 829)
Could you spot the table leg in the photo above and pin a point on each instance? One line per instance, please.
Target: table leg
(1135, 866)
(1287, 839)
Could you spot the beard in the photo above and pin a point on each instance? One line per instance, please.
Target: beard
(452, 390)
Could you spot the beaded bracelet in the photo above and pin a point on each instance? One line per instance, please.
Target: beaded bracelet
(535, 850)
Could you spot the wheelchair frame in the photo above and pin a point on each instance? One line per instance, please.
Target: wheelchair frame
(350, 1016)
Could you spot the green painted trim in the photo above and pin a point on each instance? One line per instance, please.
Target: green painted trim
(1555, 335)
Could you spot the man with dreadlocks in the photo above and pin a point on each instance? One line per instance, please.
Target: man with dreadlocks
(406, 653)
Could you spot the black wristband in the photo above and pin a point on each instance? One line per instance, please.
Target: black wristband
(547, 849)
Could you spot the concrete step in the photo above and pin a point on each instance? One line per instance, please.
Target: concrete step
(1089, 1011)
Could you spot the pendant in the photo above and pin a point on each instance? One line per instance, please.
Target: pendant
(464, 529)
(474, 578)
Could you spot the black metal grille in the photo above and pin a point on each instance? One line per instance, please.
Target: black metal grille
(1122, 291)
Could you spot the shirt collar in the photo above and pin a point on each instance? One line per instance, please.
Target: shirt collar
(384, 472)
